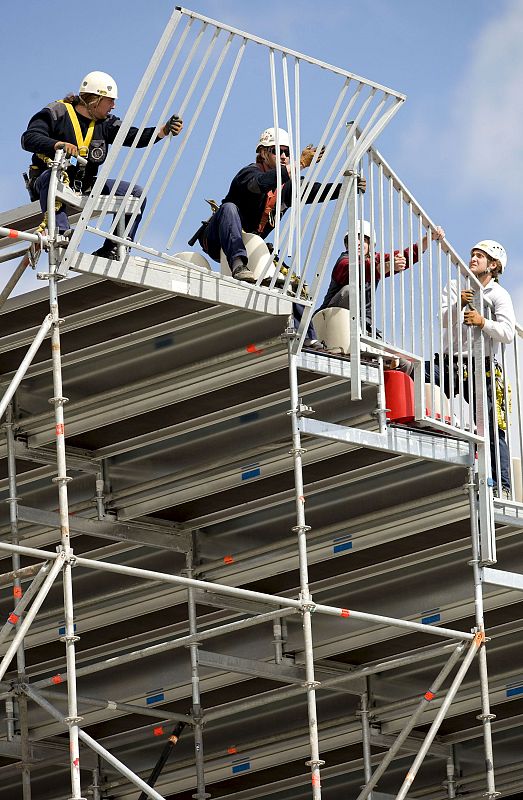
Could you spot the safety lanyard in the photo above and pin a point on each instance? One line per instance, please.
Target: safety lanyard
(82, 144)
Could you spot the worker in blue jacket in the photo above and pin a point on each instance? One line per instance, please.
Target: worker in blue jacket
(83, 125)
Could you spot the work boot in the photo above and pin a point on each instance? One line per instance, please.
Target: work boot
(108, 251)
(243, 273)
(314, 344)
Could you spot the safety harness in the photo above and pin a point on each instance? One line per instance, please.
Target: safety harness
(82, 143)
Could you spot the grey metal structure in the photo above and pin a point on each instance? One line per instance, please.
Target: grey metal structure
(177, 470)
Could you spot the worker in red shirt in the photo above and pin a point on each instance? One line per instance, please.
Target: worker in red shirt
(337, 295)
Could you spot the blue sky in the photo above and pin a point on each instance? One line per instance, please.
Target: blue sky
(455, 142)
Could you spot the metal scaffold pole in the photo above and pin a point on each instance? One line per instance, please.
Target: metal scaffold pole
(58, 401)
(486, 716)
(306, 600)
(365, 734)
(17, 594)
(196, 710)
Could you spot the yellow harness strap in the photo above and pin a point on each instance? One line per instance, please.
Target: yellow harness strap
(81, 143)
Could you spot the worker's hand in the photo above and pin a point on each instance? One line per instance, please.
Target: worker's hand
(308, 153)
(173, 126)
(70, 149)
(438, 234)
(467, 297)
(361, 183)
(400, 262)
(473, 317)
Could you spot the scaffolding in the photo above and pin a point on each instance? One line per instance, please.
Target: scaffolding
(180, 385)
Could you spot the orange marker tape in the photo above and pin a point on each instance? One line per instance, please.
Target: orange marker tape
(345, 612)
(13, 619)
(429, 695)
(252, 348)
(228, 560)
(56, 679)
(17, 591)
(13, 234)
(232, 750)
(60, 429)
(316, 780)
(158, 731)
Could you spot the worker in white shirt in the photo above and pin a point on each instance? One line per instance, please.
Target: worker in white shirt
(488, 259)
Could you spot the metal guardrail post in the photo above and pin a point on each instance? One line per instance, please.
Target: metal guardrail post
(196, 710)
(307, 603)
(58, 401)
(486, 716)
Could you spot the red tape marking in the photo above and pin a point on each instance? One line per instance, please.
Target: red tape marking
(158, 731)
(228, 560)
(232, 750)
(429, 695)
(13, 234)
(76, 762)
(60, 429)
(17, 591)
(56, 679)
(345, 612)
(13, 619)
(252, 348)
(316, 780)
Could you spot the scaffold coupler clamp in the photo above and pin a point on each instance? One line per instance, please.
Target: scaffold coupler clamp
(315, 763)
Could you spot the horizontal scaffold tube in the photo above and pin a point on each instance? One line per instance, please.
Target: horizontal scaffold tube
(233, 591)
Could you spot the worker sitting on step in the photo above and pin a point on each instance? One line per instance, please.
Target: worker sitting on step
(488, 260)
(83, 125)
(337, 295)
(250, 205)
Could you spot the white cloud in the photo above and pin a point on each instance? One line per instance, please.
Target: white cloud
(484, 136)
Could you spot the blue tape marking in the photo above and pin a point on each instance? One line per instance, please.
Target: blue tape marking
(236, 768)
(515, 690)
(431, 620)
(61, 631)
(163, 341)
(338, 548)
(250, 417)
(154, 698)
(251, 472)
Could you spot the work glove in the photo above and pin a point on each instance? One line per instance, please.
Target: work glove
(308, 153)
(467, 298)
(70, 149)
(173, 125)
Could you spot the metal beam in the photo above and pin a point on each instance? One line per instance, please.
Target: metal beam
(282, 673)
(77, 459)
(149, 535)
(500, 577)
(49, 752)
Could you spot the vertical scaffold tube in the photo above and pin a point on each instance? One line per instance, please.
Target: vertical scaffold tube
(365, 736)
(201, 794)
(62, 480)
(307, 605)
(17, 594)
(486, 716)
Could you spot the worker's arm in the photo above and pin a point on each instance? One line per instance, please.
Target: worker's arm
(39, 138)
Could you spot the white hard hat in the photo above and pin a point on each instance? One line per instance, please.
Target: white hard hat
(369, 232)
(268, 138)
(99, 83)
(494, 250)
